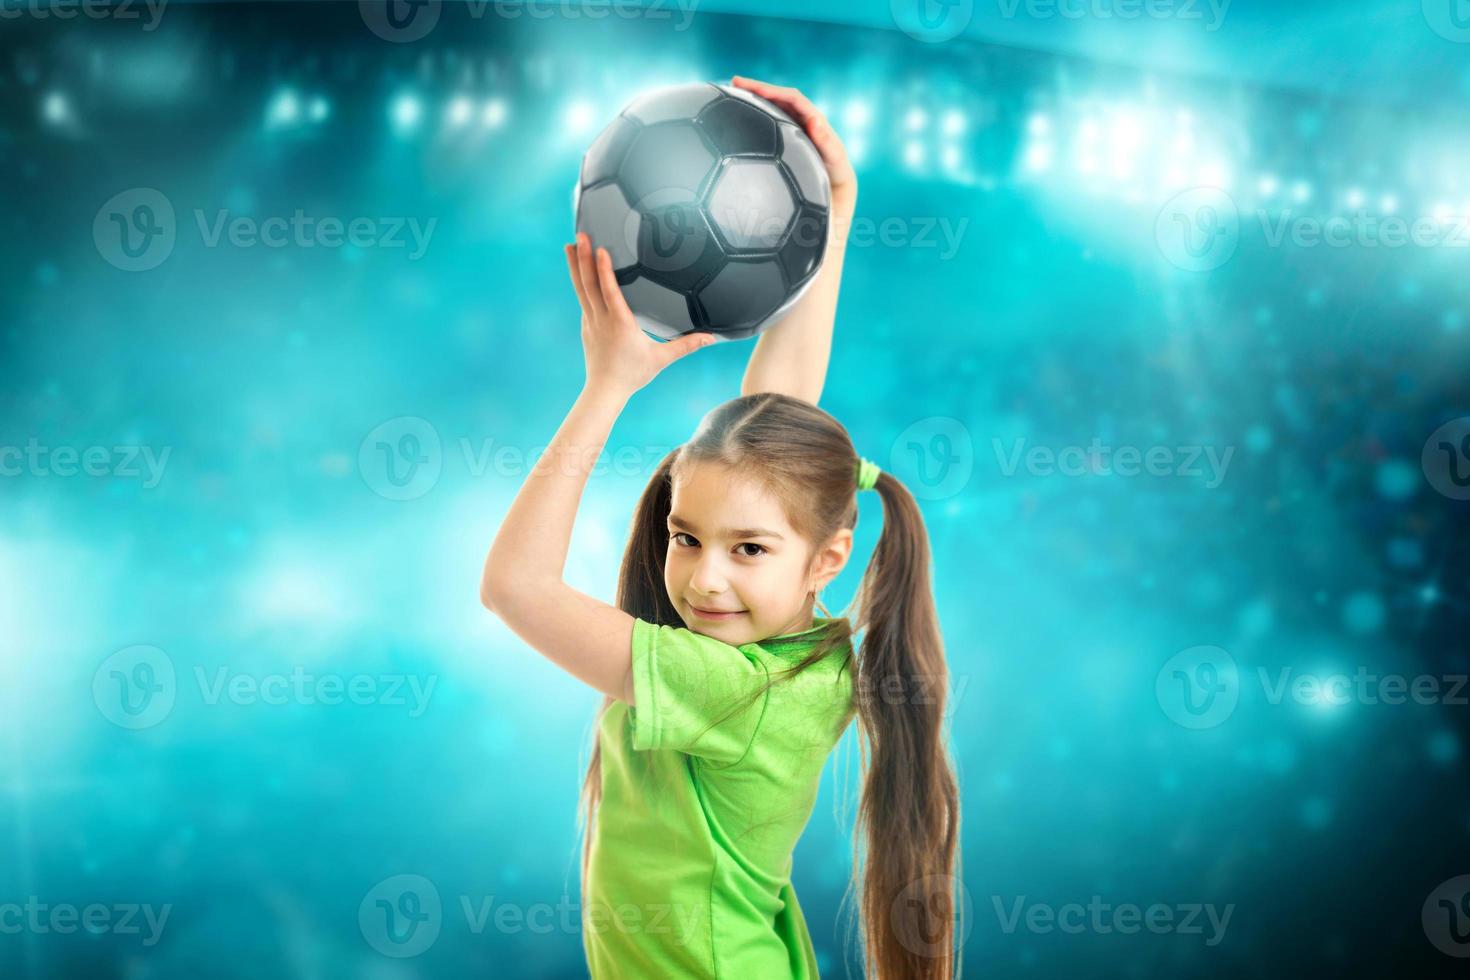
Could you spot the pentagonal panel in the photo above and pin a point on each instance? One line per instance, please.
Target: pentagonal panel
(674, 102)
(743, 294)
(751, 206)
(669, 156)
(677, 248)
(603, 213)
(805, 164)
(801, 253)
(756, 100)
(650, 301)
(738, 128)
(606, 153)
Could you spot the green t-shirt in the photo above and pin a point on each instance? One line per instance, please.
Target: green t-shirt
(690, 867)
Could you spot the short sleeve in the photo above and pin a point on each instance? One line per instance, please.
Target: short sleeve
(685, 686)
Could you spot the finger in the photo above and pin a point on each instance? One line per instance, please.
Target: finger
(788, 98)
(595, 305)
(688, 344)
(612, 293)
(575, 270)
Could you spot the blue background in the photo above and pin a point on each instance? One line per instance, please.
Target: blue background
(277, 539)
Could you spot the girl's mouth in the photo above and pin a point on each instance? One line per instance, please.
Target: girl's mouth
(714, 615)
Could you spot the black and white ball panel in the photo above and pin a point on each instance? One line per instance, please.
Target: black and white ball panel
(659, 305)
(605, 155)
(677, 102)
(743, 293)
(677, 248)
(805, 164)
(610, 222)
(755, 100)
(751, 205)
(739, 129)
(667, 156)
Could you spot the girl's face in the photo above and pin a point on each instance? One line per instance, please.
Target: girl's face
(731, 550)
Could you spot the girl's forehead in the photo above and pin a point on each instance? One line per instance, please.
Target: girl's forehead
(721, 497)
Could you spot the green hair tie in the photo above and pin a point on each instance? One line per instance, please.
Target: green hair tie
(867, 476)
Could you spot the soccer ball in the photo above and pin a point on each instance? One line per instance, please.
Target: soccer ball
(712, 204)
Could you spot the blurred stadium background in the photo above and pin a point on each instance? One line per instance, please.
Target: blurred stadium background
(251, 468)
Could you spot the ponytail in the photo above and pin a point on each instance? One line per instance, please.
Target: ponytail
(908, 814)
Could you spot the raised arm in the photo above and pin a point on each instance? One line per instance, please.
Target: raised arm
(791, 355)
(522, 581)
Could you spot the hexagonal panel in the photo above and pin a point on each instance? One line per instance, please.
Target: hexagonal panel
(739, 128)
(802, 251)
(672, 103)
(669, 156)
(751, 206)
(756, 100)
(743, 294)
(650, 301)
(805, 164)
(677, 248)
(603, 213)
(605, 155)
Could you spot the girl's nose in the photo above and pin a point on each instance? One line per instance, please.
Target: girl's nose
(708, 578)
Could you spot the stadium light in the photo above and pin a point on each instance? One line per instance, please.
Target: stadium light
(579, 116)
(55, 109)
(405, 112)
(285, 109)
(460, 110)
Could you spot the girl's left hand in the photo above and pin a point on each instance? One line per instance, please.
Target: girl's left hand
(618, 354)
(823, 136)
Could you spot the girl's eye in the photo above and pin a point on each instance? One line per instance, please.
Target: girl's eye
(676, 535)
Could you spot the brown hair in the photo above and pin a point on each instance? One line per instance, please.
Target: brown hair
(909, 806)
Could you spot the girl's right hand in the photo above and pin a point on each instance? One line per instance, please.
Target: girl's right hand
(834, 154)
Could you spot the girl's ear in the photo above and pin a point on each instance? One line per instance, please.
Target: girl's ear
(832, 558)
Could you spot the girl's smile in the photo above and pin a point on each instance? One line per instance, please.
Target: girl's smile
(715, 615)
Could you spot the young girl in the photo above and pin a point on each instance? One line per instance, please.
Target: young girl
(725, 694)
